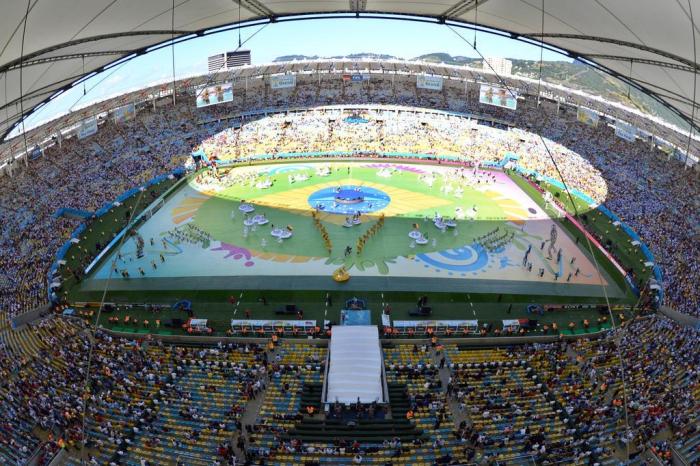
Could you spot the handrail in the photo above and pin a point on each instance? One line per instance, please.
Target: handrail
(678, 456)
(41, 449)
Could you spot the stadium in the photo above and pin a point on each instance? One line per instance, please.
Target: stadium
(351, 260)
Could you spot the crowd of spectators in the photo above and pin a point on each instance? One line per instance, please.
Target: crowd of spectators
(81, 174)
(46, 391)
(583, 386)
(656, 197)
(569, 399)
(404, 133)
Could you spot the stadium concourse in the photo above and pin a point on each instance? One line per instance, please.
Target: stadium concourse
(629, 393)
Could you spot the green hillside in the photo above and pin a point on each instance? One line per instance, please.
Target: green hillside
(574, 75)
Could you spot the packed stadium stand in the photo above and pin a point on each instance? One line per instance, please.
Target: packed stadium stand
(629, 395)
(165, 403)
(613, 171)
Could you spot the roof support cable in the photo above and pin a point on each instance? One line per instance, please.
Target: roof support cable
(84, 88)
(7, 107)
(629, 83)
(239, 22)
(539, 79)
(588, 242)
(695, 83)
(576, 214)
(21, 83)
(87, 389)
(95, 323)
(476, 20)
(172, 39)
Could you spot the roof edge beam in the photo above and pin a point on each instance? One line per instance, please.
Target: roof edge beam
(621, 43)
(643, 61)
(35, 55)
(462, 7)
(72, 56)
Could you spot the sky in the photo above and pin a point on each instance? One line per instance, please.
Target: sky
(322, 37)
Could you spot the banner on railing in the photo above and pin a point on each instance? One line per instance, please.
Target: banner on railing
(472, 324)
(239, 324)
(36, 152)
(212, 95)
(498, 96)
(587, 116)
(87, 128)
(625, 131)
(664, 146)
(125, 113)
(433, 83)
(283, 81)
(356, 77)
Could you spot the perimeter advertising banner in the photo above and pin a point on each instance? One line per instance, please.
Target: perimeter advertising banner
(587, 116)
(87, 128)
(356, 78)
(36, 152)
(498, 96)
(283, 81)
(625, 131)
(436, 323)
(125, 113)
(434, 83)
(237, 323)
(212, 95)
(664, 146)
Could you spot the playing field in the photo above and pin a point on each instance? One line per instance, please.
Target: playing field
(444, 229)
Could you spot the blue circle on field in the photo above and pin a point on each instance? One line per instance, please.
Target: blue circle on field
(349, 199)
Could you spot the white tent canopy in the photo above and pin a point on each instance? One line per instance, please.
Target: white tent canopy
(355, 369)
(648, 42)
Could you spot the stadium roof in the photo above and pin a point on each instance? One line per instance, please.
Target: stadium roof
(648, 42)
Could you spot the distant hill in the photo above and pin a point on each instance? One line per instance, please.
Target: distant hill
(440, 57)
(352, 56)
(574, 75)
(295, 58)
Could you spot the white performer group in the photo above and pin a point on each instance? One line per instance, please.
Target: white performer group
(251, 222)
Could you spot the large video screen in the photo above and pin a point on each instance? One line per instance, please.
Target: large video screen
(498, 96)
(212, 95)
(587, 116)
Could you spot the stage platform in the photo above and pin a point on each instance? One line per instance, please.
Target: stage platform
(356, 366)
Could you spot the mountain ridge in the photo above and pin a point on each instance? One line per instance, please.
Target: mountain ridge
(572, 74)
